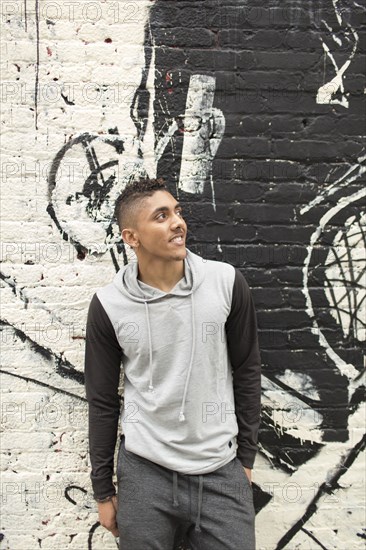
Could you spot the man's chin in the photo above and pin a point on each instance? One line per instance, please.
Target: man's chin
(179, 254)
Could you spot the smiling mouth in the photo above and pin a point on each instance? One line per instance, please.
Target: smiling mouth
(177, 239)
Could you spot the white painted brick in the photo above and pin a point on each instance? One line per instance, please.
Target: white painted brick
(58, 293)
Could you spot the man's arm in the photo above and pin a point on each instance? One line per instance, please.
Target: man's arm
(103, 356)
(242, 340)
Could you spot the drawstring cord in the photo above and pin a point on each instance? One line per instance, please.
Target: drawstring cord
(151, 387)
(175, 490)
(181, 413)
(200, 493)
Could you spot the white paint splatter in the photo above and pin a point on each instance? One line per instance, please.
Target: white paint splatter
(345, 288)
(147, 146)
(291, 414)
(164, 139)
(326, 92)
(329, 28)
(219, 247)
(354, 172)
(204, 128)
(346, 369)
(300, 382)
(337, 12)
(87, 219)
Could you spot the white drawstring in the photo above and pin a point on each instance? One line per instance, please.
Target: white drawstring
(181, 413)
(151, 387)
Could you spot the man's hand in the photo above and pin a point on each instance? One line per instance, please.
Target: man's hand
(248, 471)
(107, 515)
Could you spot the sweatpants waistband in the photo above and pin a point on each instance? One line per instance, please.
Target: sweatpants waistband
(175, 475)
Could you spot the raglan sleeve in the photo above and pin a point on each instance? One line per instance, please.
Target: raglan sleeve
(102, 367)
(242, 340)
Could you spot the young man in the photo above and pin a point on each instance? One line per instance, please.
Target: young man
(185, 331)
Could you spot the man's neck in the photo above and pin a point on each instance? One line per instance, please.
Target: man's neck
(161, 275)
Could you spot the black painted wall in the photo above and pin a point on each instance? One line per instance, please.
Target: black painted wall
(285, 162)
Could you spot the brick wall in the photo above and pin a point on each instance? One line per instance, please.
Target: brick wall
(253, 113)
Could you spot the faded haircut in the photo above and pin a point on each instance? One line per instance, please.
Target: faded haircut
(132, 199)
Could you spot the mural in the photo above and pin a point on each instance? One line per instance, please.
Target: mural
(243, 110)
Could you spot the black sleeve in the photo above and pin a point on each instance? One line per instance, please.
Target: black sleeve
(242, 339)
(103, 356)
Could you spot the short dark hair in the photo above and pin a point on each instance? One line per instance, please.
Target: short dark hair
(132, 198)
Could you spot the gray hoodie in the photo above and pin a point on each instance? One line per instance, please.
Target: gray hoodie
(191, 370)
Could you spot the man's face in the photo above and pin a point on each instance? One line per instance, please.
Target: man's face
(159, 220)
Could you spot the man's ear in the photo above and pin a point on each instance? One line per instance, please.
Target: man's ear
(130, 238)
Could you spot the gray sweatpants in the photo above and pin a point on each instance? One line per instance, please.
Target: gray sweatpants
(158, 507)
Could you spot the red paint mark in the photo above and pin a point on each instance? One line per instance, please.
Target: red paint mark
(169, 81)
(49, 51)
(108, 40)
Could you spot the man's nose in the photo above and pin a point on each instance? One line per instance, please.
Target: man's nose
(178, 221)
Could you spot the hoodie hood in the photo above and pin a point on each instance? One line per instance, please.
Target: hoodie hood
(127, 282)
